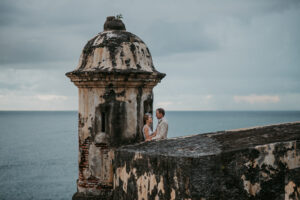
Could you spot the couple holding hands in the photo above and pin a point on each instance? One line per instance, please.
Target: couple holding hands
(161, 131)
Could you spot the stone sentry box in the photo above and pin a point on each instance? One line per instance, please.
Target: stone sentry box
(115, 77)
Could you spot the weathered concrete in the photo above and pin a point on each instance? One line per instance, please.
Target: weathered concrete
(114, 50)
(115, 77)
(255, 163)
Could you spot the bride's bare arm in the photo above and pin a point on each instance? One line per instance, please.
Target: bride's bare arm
(148, 137)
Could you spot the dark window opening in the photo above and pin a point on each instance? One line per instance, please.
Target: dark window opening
(148, 107)
(102, 122)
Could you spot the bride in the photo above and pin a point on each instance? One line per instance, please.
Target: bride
(147, 132)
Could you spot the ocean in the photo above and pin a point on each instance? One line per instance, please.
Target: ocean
(39, 149)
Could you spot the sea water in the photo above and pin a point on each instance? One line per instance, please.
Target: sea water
(39, 150)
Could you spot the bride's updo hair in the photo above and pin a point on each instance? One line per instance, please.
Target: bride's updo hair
(146, 117)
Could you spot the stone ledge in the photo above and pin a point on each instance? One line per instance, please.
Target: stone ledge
(254, 163)
(216, 142)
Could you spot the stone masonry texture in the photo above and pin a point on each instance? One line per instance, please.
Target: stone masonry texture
(255, 163)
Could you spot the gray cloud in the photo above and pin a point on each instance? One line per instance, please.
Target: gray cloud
(207, 48)
(44, 31)
(169, 38)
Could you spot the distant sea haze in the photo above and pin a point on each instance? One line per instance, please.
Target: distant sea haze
(39, 149)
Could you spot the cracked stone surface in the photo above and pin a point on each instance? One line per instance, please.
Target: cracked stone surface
(254, 163)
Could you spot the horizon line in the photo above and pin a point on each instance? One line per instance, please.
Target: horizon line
(165, 110)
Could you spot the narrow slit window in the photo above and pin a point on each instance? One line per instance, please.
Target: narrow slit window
(103, 122)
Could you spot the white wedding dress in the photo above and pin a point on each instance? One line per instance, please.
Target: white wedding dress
(150, 130)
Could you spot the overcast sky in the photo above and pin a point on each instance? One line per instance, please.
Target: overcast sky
(218, 55)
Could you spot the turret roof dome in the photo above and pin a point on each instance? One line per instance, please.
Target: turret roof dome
(115, 50)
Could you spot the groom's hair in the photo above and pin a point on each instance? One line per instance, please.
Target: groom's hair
(161, 111)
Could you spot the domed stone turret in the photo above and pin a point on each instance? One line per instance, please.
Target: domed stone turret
(115, 77)
(115, 50)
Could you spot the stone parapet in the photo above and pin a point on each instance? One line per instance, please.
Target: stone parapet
(254, 163)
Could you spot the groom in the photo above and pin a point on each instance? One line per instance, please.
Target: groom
(162, 126)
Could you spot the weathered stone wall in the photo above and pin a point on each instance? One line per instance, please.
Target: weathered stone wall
(255, 163)
(124, 109)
